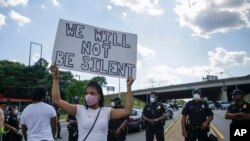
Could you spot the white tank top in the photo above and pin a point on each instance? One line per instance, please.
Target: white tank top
(85, 119)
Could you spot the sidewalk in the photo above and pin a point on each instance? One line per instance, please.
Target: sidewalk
(173, 132)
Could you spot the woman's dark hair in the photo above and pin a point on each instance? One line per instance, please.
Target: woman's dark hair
(39, 94)
(99, 90)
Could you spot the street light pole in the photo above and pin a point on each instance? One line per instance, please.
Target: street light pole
(40, 50)
(236, 86)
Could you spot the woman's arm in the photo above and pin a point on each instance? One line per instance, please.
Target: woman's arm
(67, 107)
(119, 113)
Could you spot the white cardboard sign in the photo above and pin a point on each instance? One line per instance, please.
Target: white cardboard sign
(90, 49)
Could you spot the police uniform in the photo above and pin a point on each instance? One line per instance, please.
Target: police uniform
(197, 113)
(72, 128)
(236, 108)
(152, 111)
(11, 119)
(113, 125)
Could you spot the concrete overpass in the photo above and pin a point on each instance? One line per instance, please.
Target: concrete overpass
(213, 90)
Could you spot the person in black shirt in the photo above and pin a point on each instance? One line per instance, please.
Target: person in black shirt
(196, 117)
(117, 127)
(58, 134)
(153, 115)
(11, 124)
(238, 112)
(72, 126)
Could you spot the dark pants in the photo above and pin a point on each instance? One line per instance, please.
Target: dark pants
(58, 129)
(11, 136)
(158, 131)
(113, 137)
(73, 132)
(199, 134)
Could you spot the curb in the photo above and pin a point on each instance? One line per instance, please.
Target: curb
(167, 129)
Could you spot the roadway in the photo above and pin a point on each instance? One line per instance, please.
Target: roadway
(219, 123)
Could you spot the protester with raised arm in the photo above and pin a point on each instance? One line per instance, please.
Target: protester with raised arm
(92, 118)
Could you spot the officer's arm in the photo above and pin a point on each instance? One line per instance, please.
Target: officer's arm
(10, 127)
(183, 125)
(24, 130)
(209, 119)
(230, 115)
(145, 118)
(160, 118)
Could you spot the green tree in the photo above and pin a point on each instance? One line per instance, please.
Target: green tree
(100, 80)
(75, 88)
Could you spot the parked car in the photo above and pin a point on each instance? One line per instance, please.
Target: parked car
(168, 111)
(135, 120)
(222, 105)
(211, 105)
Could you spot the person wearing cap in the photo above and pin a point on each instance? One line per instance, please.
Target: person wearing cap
(72, 126)
(196, 117)
(238, 112)
(117, 127)
(153, 115)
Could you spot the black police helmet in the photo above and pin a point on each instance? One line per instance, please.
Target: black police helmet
(196, 91)
(116, 99)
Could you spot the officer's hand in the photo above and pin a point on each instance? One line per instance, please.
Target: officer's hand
(184, 133)
(15, 130)
(151, 122)
(204, 126)
(117, 132)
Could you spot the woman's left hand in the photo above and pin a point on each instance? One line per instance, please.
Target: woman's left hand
(130, 81)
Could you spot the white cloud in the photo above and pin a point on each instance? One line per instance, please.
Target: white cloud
(160, 75)
(151, 7)
(13, 3)
(109, 7)
(43, 7)
(124, 15)
(36, 57)
(21, 20)
(145, 53)
(55, 3)
(2, 20)
(207, 17)
(222, 57)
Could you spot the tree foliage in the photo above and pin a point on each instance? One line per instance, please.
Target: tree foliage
(18, 80)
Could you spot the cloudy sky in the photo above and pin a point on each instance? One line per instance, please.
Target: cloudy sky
(179, 41)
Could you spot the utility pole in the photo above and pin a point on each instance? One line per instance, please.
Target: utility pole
(31, 43)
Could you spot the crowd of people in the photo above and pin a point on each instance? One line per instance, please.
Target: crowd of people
(95, 122)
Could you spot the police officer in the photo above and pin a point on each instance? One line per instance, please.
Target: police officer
(238, 112)
(196, 117)
(72, 126)
(153, 115)
(117, 128)
(11, 124)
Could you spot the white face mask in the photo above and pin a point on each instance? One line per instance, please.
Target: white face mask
(16, 111)
(152, 99)
(112, 104)
(196, 97)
